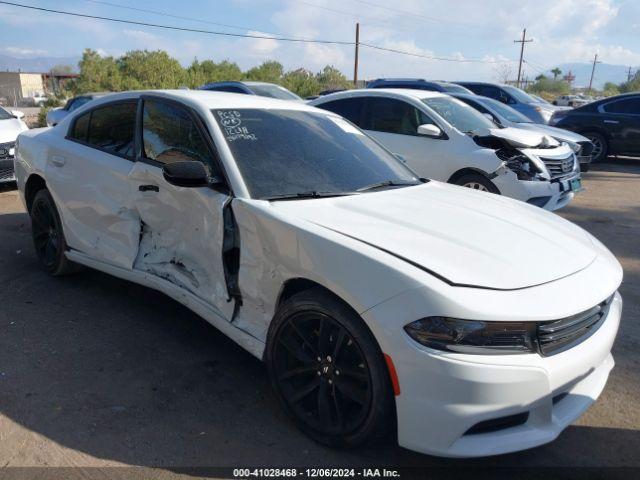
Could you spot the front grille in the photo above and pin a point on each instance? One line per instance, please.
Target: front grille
(560, 335)
(5, 148)
(559, 167)
(6, 174)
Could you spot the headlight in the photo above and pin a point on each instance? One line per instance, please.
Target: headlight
(473, 336)
(520, 164)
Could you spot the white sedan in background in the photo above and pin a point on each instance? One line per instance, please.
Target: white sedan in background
(444, 139)
(55, 115)
(11, 125)
(380, 302)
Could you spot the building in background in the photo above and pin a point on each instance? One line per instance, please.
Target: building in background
(30, 88)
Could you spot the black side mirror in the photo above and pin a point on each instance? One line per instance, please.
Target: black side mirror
(186, 174)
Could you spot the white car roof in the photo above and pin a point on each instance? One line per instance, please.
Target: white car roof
(213, 99)
(381, 92)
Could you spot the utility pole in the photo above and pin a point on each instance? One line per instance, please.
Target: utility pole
(355, 65)
(521, 42)
(593, 70)
(629, 75)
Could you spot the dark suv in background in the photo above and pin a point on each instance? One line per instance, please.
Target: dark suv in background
(612, 124)
(417, 84)
(517, 99)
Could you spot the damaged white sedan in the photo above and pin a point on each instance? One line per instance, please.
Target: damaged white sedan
(442, 138)
(470, 324)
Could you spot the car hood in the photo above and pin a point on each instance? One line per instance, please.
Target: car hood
(520, 138)
(9, 129)
(465, 237)
(558, 133)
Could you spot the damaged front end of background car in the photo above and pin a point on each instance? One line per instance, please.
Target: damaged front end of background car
(530, 157)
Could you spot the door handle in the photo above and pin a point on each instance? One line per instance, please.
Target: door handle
(149, 188)
(58, 161)
(611, 121)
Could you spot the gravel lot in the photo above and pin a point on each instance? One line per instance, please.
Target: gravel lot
(98, 372)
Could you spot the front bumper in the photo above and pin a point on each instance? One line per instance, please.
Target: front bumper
(444, 395)
(550, 195)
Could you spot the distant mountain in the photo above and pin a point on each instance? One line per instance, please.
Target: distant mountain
(36, 64)
(605, 72)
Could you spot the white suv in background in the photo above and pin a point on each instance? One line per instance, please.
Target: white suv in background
(444, 139)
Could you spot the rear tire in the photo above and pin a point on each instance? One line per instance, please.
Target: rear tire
(328, 372)
(478, 182)
(48, 237)
(600, 146)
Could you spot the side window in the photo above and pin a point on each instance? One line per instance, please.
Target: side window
(170, 135)
(627, 105)
(393, 116)
(80, 127)
(349, 108)
(112, 127)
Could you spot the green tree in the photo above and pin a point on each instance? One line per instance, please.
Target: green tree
(268, 71)
(301, 82)
(98, 73)
(141, 69)
(556, 73)
(544, 85)
(610, 89)
(330, 78)
(632, 85)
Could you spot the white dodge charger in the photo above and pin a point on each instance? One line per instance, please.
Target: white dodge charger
(470, 324)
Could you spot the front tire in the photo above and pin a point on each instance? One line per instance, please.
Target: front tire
(600, 146)
(478, 182)
(328, 371)
(48, 237)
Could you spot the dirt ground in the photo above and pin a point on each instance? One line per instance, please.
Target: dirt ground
(98, 372)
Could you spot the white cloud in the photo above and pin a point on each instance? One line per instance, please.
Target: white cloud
(20, 52)
(260, 46)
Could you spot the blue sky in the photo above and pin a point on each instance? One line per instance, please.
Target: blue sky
(563, 31)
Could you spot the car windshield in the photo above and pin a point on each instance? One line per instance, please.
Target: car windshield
(5, 115)
(503, 110)
(519, 95)
(459, 114)
(273, 91)
(292, 152)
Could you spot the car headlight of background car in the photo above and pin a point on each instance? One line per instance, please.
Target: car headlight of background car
(474, 336)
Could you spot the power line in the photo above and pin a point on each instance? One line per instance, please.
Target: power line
(239, 35)
(179, 17)
(414, 14)
(182, 29)
(431, 57)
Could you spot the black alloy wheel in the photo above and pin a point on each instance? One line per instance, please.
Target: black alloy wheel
(48, 238)
(328, 371)
(323, 375)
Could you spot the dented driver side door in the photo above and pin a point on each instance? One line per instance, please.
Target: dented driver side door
(182, 229)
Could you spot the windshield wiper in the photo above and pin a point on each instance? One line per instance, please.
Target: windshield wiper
(306, 195)
(388, 183)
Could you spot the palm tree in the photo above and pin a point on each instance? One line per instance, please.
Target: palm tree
(556, 72)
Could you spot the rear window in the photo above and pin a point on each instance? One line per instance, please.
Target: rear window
(109, 128)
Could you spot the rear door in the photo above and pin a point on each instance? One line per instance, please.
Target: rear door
(87, 174)
(182, 228)
(621, 119)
